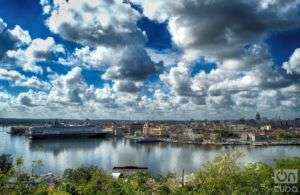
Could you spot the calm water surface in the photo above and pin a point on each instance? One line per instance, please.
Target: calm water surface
(160, 158)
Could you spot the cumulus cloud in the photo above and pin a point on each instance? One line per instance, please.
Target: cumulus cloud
(4, 101)
(178, 79)
(168, 57)
(20, 35)
(125, 63)
(293, 65)
(93, 23)
(3, 25)
(228, 34)
(110, 39)
(25, 100)
(127, 86)
(12, 38)
(17, 79)
(39, 50)
(69, 88)
(132, 63)
(46, 6)
(87, 57)
(18, 49)
(199, 27)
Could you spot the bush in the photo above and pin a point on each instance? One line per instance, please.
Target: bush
(6, 163)
(223, 175)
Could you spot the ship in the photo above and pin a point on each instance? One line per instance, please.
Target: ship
(64, 131)
(142, 140)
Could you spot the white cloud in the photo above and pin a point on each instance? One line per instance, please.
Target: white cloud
(22, 36)
(127, 86)
(69, 88)
(17, 79)
(293, 65)
(46, 6)
(89, 58)
(92, 23)
(168, 57)
(3, 25)
(4, 102)
(229, 34)
(39, 50)
(110, 39)
(11, 39)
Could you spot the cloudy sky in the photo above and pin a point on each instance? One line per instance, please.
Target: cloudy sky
(142, 59)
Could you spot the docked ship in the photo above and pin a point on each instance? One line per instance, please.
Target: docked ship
(142, 140)
(62, 130)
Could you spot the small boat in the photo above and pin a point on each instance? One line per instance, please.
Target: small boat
(146, 140)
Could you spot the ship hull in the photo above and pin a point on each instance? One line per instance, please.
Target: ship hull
(51, 136)
(69, 132)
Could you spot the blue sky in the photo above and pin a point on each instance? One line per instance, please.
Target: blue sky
(173, 60)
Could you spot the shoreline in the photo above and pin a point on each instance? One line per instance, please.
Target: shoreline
(243, 143)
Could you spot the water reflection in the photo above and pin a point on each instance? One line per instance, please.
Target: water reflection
(161, 158)
(57, 146)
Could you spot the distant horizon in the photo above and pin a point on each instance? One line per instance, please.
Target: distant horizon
(95, 119)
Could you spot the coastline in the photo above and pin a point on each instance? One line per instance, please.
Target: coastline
(237, 143)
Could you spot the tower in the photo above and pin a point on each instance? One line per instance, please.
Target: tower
(257, 117)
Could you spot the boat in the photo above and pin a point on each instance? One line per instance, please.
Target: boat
(142, 140)
(260, 143)
(18, 130)
(146, 140)
(61, 130)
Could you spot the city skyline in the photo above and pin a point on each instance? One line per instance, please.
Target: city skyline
(138, 59)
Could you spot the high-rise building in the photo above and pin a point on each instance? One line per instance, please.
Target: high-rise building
(297, 122)
(257, 117)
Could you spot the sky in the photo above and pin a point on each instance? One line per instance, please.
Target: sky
(149, 60)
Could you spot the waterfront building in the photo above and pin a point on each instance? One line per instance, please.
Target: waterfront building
(238, 127)
(266, 127)
(256, 137)
(244, 136)
(153, 130)
(297, 122)
(134, 127)
(215, 137)
(118, 131)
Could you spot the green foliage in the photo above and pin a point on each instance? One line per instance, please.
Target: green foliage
(289, 163)
(6, 163)
(257, 178)
(223, 175)
(220, 176)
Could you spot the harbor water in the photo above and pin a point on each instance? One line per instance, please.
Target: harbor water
(160, 158)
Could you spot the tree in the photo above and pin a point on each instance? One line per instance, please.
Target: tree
(219, 176)
(6, 162)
